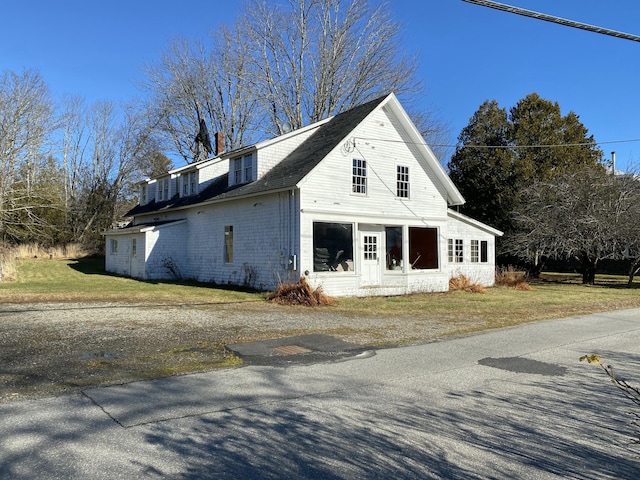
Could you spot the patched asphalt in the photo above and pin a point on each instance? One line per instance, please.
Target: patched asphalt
(298, 350)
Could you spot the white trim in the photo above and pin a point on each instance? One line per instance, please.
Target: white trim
(475, 223)
(141, 228)
(454, 197)
(379, 219)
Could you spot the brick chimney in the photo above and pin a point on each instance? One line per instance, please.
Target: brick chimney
(218, 139)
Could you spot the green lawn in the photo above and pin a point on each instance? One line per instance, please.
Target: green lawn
(84, 280)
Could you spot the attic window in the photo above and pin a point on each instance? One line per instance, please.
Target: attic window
(359, 182)
(402, 181)
(248, 168)
(163, 189)
(237, 171)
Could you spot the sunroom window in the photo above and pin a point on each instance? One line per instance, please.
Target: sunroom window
(423, 248)
(332, 247)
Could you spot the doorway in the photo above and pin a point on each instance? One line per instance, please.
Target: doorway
(371, 248)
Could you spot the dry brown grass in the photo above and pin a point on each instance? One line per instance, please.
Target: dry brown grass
(8, 269)
(9, 256)
(35, 250)
(464, 283)
(300, 293)
(511, 278)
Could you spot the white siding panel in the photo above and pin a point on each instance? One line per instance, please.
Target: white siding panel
(482, 273)
(264, 238)
(119, 262)
(164, 251)
(212, 170)
(329, 186)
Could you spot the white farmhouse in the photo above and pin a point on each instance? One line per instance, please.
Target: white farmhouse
(356, 203)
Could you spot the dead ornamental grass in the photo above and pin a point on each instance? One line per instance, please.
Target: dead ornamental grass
(511, 278)
(300, 293)
(464, 283)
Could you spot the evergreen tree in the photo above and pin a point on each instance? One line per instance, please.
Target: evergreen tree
(481, 166)
(498, 155)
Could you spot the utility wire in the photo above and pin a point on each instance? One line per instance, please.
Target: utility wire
(554, 19)
(558, 145)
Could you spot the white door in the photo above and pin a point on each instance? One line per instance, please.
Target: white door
(371, 248)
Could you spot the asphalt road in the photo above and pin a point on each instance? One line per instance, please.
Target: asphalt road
(513, 403)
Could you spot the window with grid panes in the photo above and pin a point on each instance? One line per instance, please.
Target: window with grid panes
(359, 183)
(459, 252)
(237, 171)
(402, 181)
(475, 251)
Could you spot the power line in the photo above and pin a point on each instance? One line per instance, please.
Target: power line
(554, 19)
(557, 145)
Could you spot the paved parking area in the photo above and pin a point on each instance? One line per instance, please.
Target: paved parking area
(513, 403)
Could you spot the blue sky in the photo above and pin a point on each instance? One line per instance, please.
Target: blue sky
(467, 53)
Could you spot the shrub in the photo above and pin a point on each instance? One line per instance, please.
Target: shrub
(300, 293)
(511, 278)
(464, 283)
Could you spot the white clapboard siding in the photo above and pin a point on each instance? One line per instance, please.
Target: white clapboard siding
(273, 222)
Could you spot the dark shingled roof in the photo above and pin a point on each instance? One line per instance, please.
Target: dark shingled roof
(287, 173)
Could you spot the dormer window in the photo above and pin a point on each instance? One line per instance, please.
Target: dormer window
(248, 168)
(193, 183)
(163, 189)
(237, 171)
(242, 169)
(189, 183)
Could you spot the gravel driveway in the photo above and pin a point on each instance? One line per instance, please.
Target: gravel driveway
(53, 349)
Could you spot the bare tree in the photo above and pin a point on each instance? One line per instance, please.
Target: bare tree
(628, 209)
(26, 121)
(316, 58)
(280, 67)
(588, 215)
(75, 139)
(105, 149)
(196, 82)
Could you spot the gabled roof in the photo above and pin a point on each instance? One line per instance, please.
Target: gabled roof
(288, 173)
(475, 223)
(295, 166)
